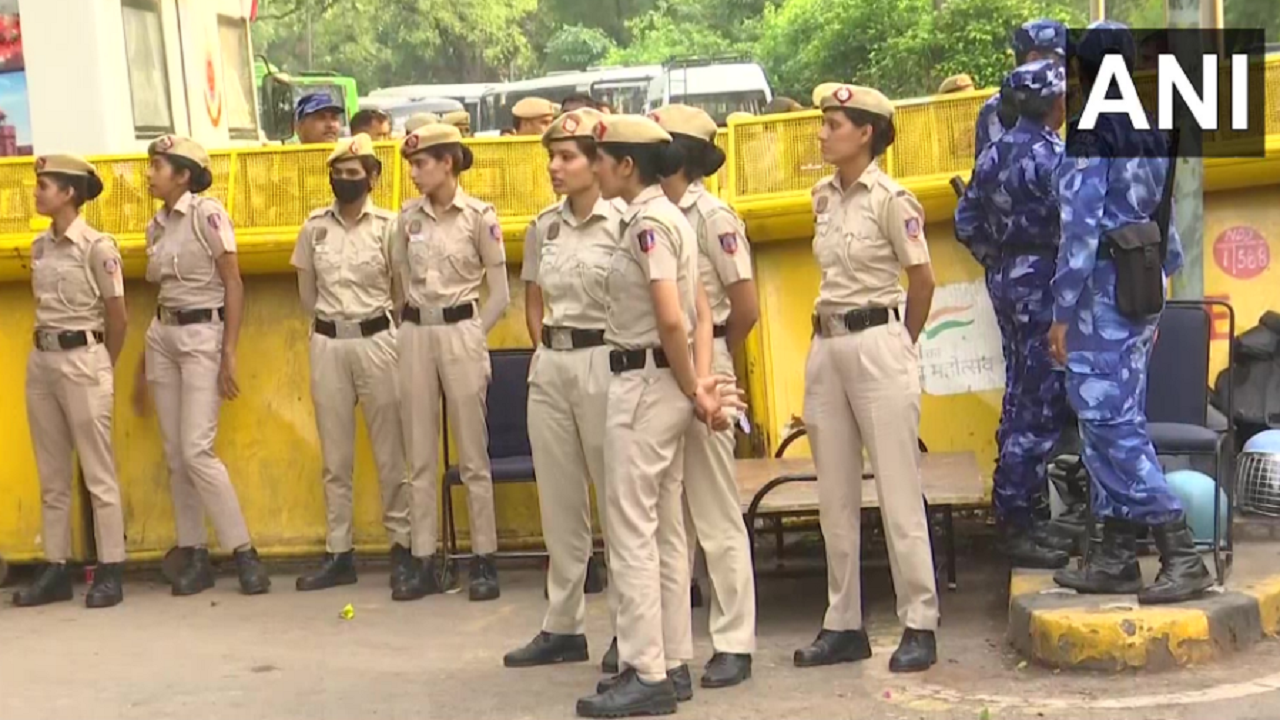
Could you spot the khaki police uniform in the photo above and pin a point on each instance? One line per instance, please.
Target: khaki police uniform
(862, 386)
(648, 418)
(532, 108)
(460, 119)
(347, 270)
(442, 260)
(713, 508)
(956, 83)
(418, 120)
(70, 385)
(184, 355)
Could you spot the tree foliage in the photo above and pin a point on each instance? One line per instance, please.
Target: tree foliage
(574, 47)
(684, 28)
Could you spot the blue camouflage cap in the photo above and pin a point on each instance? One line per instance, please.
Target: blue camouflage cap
(1106, 37)
(314, 103)
(1040, 35)
(1038, 78)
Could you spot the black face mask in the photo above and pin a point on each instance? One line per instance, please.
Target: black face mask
(349, 191)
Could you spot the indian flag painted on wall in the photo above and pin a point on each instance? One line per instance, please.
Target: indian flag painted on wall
(960, 345)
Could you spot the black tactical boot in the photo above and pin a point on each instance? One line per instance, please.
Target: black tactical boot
(52, 585)
(196, 576)
(1042, 536)
(401, 564)
(609, 664)
(548, 649)
(630, 696)
(421, 579)
(917, 652)
(1111, 567)
(597, 577)
(253, 574)
(484, 579)
(1023, 552)
(835, 646)
(680, 677)
(1073, 525)
(338, 569)
(726, 670)
(1182, 575)
(108, 586)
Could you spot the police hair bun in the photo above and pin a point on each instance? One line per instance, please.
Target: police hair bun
(715, 160)
(92, 187)
(671, 159)
(468, 158)
(201, 180)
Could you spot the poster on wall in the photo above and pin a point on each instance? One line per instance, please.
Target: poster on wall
(15, 113)
(960, 344)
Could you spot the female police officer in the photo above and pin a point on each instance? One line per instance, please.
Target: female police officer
(862, 385)
(567, 252)
(711, 490)
(343, 257)
(654, 306)
(190, 358)
(80, 328)
(445, 243)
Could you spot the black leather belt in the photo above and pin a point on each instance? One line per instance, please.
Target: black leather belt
(860, 319)
(621, 361)
(51, 340)
(720, 331)
(367, 328)
(1020, 249)
(169, 316)
(567, 338)
(449, 315)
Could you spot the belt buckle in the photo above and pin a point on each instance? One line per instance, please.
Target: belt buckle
(47, 342)
(168, 317)
(346, 330)
(833, 324)
(431, 316)
(561, 339)
(857, 320)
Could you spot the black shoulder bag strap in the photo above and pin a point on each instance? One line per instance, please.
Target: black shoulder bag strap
(1164, 211)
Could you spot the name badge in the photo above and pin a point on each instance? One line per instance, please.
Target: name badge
(419, 238)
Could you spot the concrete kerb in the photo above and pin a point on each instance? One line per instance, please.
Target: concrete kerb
(1061, 629)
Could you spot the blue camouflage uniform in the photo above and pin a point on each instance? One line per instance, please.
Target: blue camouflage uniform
(1042, 35)
(1008, 218)
(1114, 178)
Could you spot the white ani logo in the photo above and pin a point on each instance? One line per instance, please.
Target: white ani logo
(1170, 78)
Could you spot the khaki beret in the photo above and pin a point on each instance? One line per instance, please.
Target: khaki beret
(179, 146)
(822, 91)
(856, 97)
(577, 123)
(457, 118)
(956, 83)
(417, 120)
(636, 129)
(356, 146)
(738, 116)
(533, 107)
(685, 120)
(65, 165)
(428, 136)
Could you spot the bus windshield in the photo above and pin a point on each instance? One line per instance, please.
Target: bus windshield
(626, 99)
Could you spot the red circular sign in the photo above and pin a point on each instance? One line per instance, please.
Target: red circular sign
(1241, 252)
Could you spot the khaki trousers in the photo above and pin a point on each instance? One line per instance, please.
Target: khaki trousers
(648, 417)
(713, 505)
(70, 396)
(863, 390)
(457, 357)
(182, 369)
(344, 373)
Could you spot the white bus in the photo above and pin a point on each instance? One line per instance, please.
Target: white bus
(469, 94)
(624, 89)
(717, 86)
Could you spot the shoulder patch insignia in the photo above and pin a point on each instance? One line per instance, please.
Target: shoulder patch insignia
(411, 142)
(729, 242)
(37, 250)
(321, 234)
(820, 205)
(215, 221)
(553, 232)
(913, 228)
(646, 239)
(111, 266)
(415, 227)
(495, 232)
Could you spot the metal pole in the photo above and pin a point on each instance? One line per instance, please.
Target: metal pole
(1188, 189)
(1097, 10)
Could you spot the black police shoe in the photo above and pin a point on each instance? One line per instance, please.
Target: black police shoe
(401, 563)
(630, 696)
(680, 677)
(196, 576)
(484, 579)
(253, 574)
(917, 651)
(108, 586)
(726, 670)
(1022, 551)
(835, 646)
(597, 577)
(609, 664)
(420, 580)
(1183, 575)
(52, 585)
(1042, 536)
(548, 649)
(338, 569)
(1111, 567)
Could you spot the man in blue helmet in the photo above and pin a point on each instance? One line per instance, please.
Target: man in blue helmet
(1034, 40)
(1112, 184)
(1009, 219)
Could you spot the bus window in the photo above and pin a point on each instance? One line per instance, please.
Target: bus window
(718, 106)
(623, 99)
(237, 81)
(148, 69)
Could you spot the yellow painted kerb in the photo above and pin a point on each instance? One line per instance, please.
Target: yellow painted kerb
(1267, 593)
(1120, 637)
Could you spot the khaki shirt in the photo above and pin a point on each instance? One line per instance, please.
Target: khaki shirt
(72, 275)
(865, 236)
(656, 243)
(442, 260)
(351, 265)
(183, 247)
(724, 257)
(569, 261)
